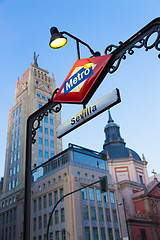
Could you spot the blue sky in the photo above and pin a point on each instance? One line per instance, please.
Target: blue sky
(24, 28)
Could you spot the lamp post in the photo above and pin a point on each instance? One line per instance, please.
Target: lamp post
(137, 41)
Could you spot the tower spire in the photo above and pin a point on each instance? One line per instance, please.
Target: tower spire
(109, 117)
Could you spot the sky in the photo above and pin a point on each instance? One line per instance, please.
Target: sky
(25, 29)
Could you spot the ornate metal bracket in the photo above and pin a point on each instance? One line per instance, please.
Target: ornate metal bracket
(44, 112)
(138, 40)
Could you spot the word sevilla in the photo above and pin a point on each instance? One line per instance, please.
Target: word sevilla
(77, 78)
(84, 114)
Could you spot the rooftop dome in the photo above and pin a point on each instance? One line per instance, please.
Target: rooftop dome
(114, 144)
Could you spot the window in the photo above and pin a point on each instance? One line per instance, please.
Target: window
(44, 202)
(61, 193)
(40, 105)
(59, 178)
(20, 108)
(39, 222)
(143, 234)
(100, 211)
(14, 231)
(117, 234)
(92, 177)
(108, 215)
(39, 204)
(46, 130)
(15, 213)
(57, 235)
(40, 153)
(95, 233)
(110, 233)
(43, 97)
(46, 119)
(38, 95)
(56, 216)
(51, 144)
(44, 185)
(46, 154)
(50, 236)
(93, 213)
(98, 193)
(40, 129)
(84, 194)
(46, 142)
(50, 199)
(40, 140)
(87, 233)
(105, 197)
(34, 205)
(91, 194)
(103, 235)
(85, 212)
(52, 154)
(85, 176)
(55, 197)
(78, 174)
(114, 216)
(51, 132)
(11, 216)
(51, 121)
(45, 220)
(34, 224)
(112, 197)
(141, 179)
(62, 215)
(14, 114)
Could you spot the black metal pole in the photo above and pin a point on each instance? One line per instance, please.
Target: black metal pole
(27, 198)
(31, 131)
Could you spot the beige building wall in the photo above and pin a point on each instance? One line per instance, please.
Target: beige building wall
(82, 214)
(34, 88)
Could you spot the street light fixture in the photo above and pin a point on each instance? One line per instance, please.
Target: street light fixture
(58, 40)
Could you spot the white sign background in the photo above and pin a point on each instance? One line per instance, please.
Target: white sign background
(90, 112)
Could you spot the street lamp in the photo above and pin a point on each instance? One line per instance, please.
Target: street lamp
(137, 41)
(58, 40)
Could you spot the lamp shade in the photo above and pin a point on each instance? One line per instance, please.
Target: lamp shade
(57, 39)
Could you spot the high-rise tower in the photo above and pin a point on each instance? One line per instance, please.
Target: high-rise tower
(32, 91)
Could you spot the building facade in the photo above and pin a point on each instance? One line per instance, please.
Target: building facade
(32, 91)
(141, 199)
(86, 214)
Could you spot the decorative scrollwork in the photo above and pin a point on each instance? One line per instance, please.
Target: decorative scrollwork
(49, 109)
(110, 48)
(116, 64)
(139, 40)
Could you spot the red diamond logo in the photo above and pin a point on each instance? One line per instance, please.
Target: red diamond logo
(83, 80)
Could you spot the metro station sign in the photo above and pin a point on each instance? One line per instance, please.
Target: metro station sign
(89, 113)
(83, 80)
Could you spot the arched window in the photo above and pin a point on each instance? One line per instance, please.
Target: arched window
(85, 176)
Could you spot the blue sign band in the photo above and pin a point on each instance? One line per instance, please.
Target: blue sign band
(77, 78)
